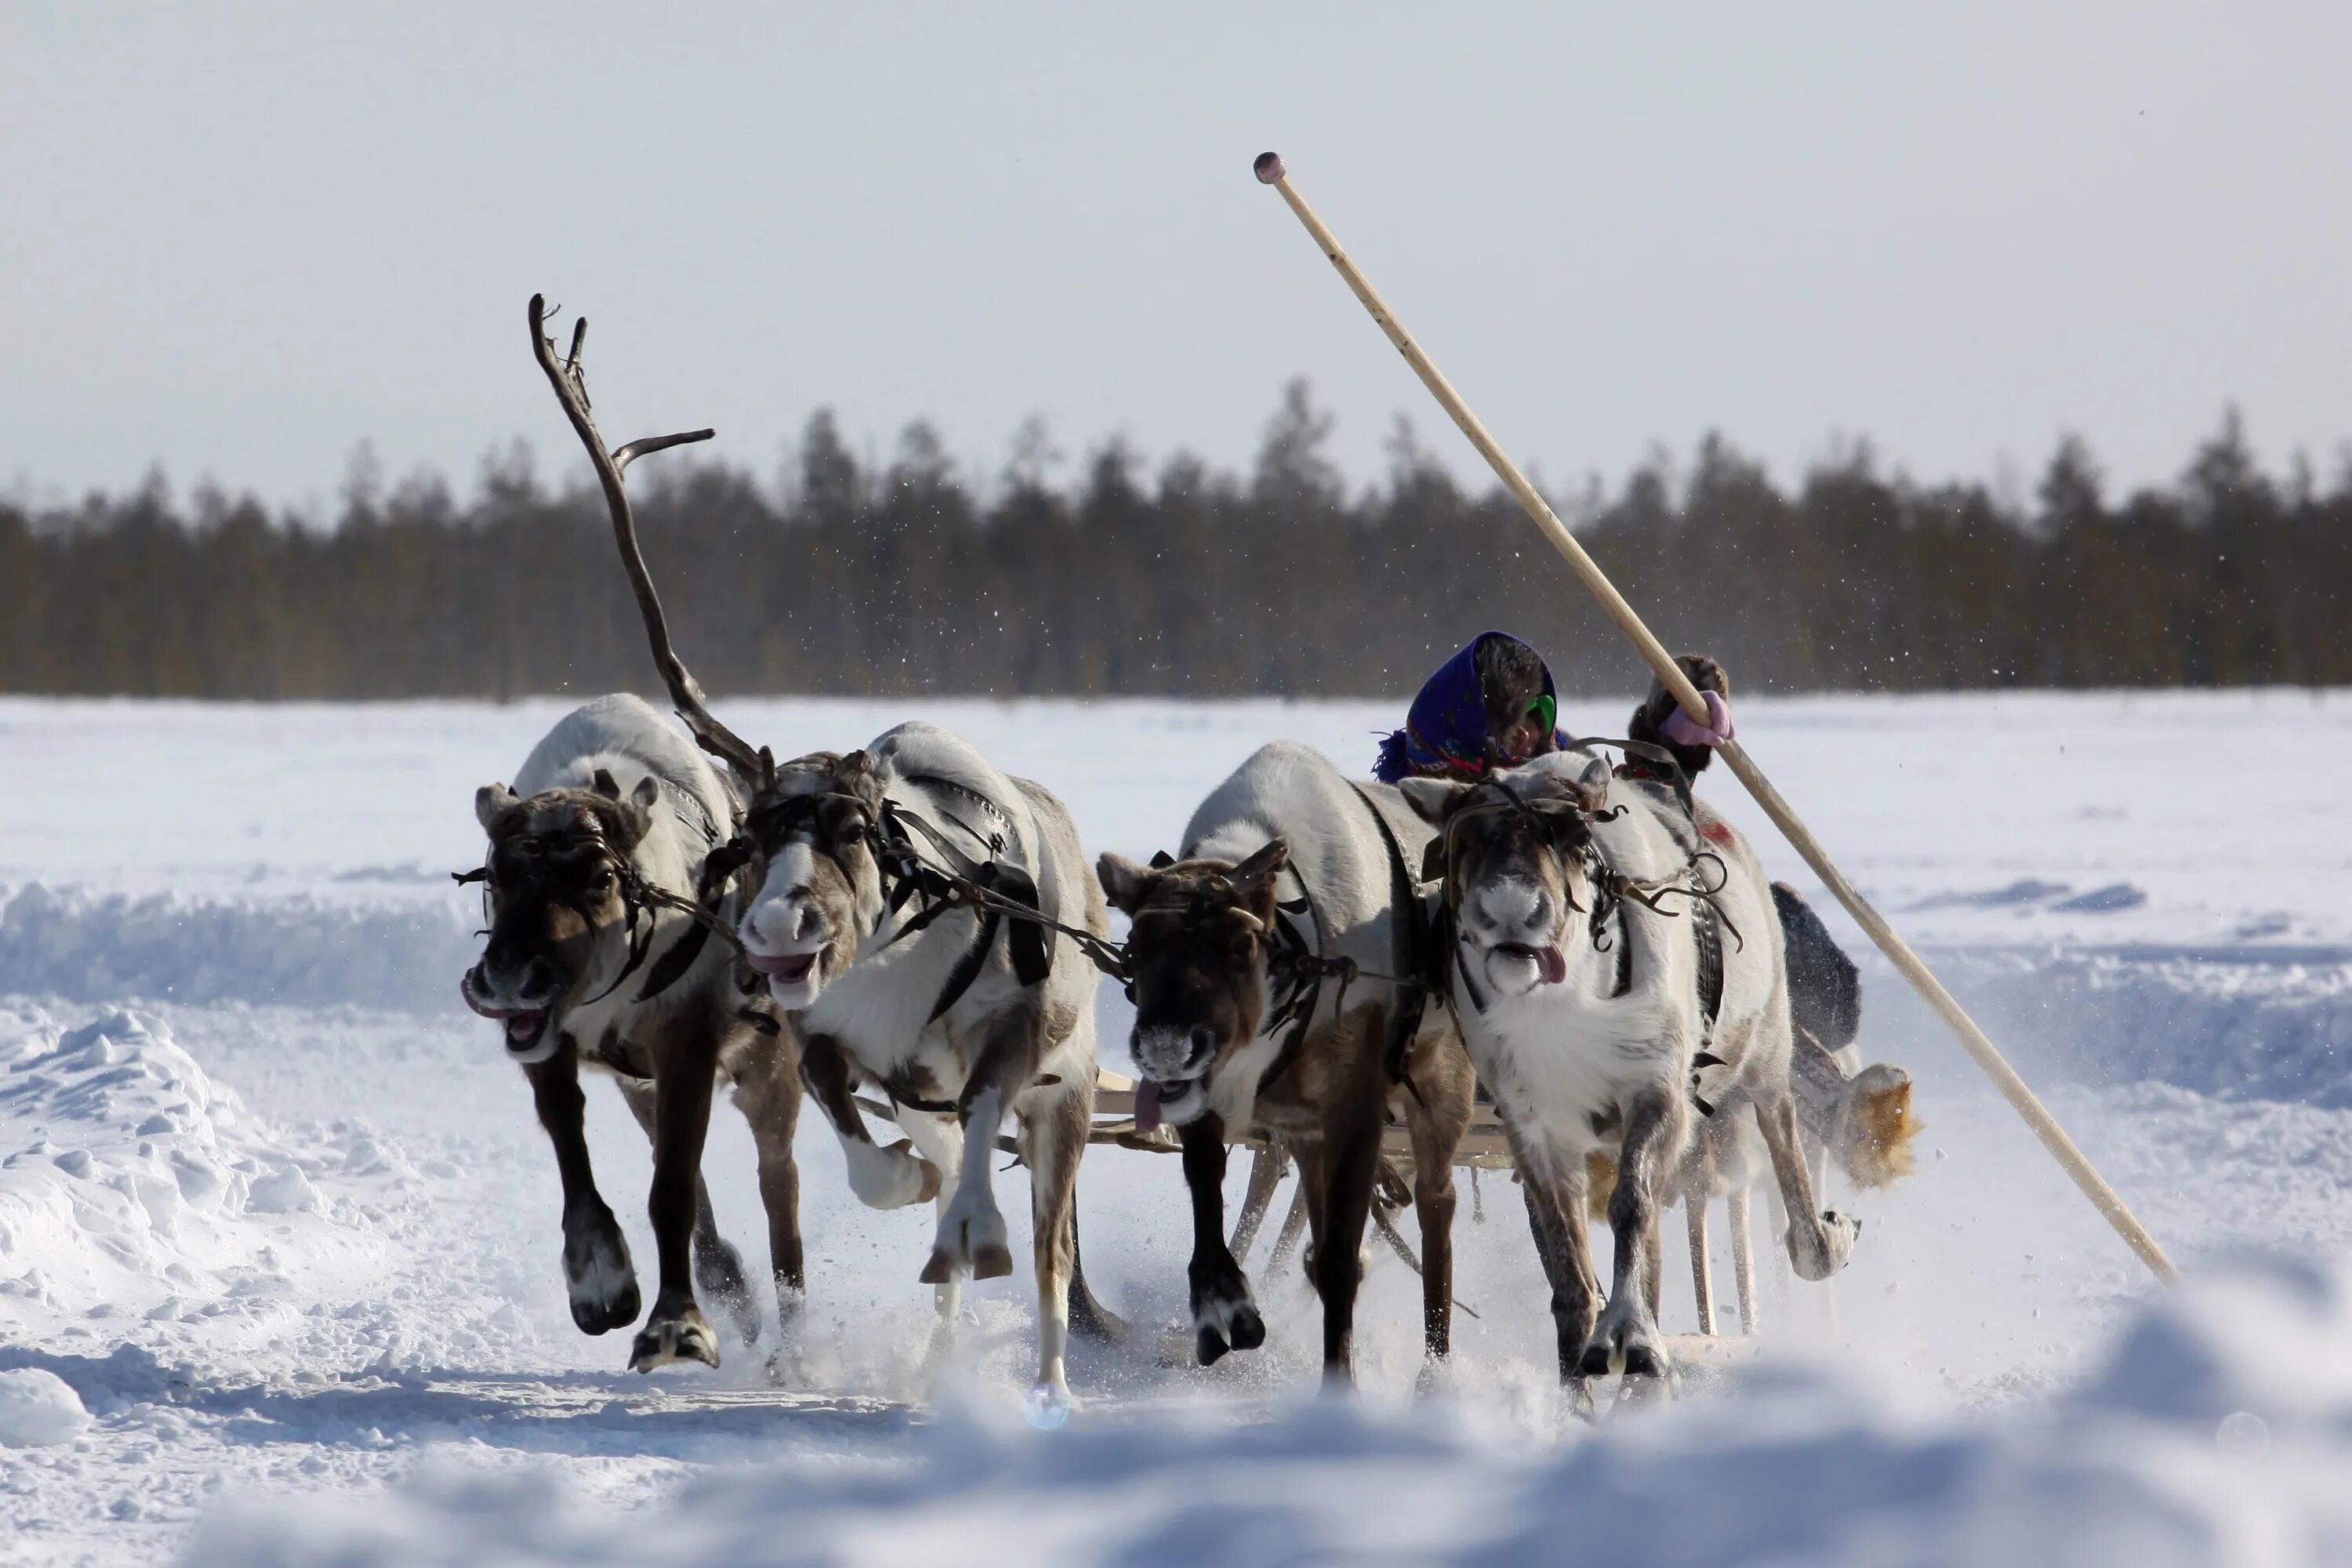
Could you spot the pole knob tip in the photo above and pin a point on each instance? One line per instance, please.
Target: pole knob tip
(1268, 169)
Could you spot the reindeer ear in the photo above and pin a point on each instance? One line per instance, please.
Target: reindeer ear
(1256, 875)
(606, 786)
(490, 800)
(1161, 860)
(1124, 883)
(1433, 860)
(1592, 784)
(647, 793)
(1433, 800)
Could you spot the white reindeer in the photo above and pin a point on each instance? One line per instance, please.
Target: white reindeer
(957, 1014)
(1582, 985)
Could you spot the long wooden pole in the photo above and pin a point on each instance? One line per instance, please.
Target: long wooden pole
(2013, 1088)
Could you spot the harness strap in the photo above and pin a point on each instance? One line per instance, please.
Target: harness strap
(1405, 960)
(967, 966)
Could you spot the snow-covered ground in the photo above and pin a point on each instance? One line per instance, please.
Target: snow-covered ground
(278, 1271)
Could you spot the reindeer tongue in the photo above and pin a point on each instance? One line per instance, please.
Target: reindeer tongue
(1146, 1105)
(1551, 963)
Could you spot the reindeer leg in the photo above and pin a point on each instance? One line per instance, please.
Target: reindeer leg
(1628, 1327)
(717, 1267)
(688, 1066)
(972, 1237)
(1053, 1137)
(1701, 1266)
(1820, 1173)
(882, 1178)
(1743, 1256)
(1436, 1131)
(768, 1093)
(1553, 1184)
(1294, 1220)
(1351, 1152)
(1654, 1270)
(1266, 1175)
(1223, 1316)
(1818, 1246)
(597, 1274)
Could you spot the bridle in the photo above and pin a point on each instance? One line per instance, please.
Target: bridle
(1564, 829)
(917, 862)
(639, 899)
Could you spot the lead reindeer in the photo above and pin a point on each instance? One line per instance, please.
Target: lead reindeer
(1612, 970)
(862, 924)
(1242, 1022)
(599, 957)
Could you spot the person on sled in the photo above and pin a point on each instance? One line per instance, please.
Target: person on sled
(1493, 706)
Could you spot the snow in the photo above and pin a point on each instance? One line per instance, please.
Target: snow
(38, 1408)
(2212, 1434)
(276, 1221)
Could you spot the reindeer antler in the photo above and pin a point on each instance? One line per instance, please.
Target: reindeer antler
(571, 385)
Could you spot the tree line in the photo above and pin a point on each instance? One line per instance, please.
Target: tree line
(904, 576)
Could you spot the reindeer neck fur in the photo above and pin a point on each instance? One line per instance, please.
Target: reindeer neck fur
(1567, 1055)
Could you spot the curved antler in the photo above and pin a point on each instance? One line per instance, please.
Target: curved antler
(571, 385)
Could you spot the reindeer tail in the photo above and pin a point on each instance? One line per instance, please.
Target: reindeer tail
(1877, 1129)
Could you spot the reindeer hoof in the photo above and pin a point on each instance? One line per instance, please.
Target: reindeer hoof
(664, 1340)
(719, 1278)
(593, 1316)
(598, 1276)
(970, 1241)
(1223, 1316)
(1627, 1346)
(1817, 1255)
(1243, 1330)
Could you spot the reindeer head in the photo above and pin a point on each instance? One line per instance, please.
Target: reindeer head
(1513, 853)
(558, 879)
(812, 828)
(1195, 957)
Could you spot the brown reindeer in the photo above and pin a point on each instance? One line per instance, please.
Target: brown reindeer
(598, 957)
(1242, 1021)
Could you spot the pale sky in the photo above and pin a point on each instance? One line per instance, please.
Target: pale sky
(238, 239)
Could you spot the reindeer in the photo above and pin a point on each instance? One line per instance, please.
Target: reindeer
(958, 1014)
(598, 956)
(1242, 1021)
(1600, 1014)
(924, 920)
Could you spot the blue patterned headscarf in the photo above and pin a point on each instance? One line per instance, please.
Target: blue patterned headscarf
(1445, 729)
